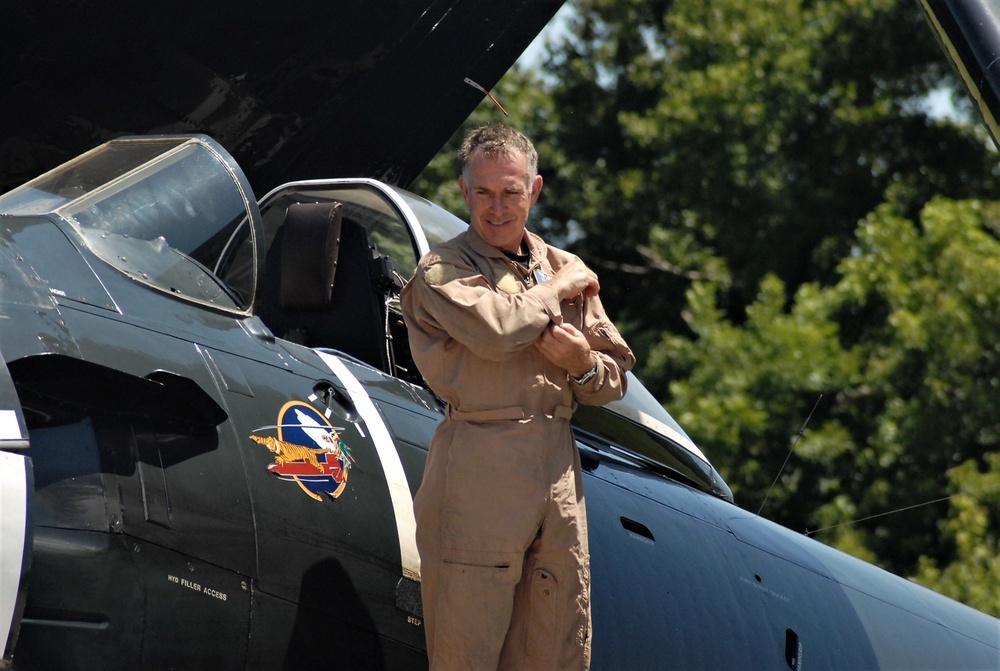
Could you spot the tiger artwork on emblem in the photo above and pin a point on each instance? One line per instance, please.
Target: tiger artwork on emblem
(308, 450)
(285, 452)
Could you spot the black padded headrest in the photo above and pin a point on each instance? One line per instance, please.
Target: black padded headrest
(310, 245)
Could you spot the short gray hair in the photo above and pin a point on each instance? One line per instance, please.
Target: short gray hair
(499, 140)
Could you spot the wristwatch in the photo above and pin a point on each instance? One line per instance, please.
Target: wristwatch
(586, 377)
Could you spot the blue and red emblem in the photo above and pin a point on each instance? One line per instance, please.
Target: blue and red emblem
(307, 450)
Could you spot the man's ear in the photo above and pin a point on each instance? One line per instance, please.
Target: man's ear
(465, 189)
(536, 188)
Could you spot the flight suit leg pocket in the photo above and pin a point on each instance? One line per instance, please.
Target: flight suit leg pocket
(476, 599)
(545, 616)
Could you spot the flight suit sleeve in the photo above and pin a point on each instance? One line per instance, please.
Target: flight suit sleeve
(614, 358)
(494, 325)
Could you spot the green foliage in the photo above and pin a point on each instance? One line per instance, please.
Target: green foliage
(907, 397)
(932, 367)
(739, 138)
(745, 391)
(974, 577)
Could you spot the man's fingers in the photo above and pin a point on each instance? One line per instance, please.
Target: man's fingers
(565, 327)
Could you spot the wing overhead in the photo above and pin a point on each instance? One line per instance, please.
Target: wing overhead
(969, 32)
(297, 89)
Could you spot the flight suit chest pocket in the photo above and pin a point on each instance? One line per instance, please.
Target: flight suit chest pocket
(508, 282)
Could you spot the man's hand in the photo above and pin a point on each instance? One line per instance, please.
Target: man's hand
(573, 279)
(565, 346)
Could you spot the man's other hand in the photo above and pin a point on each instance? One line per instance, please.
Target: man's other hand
(573, 279)
(565, 346)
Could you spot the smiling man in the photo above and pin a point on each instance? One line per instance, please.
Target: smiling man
(511, 334)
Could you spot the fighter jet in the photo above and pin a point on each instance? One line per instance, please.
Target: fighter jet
(211, 429)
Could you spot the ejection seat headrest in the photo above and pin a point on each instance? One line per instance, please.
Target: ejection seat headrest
(310, 245)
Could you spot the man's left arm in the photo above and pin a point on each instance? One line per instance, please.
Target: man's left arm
(594, 359)
(612, 355)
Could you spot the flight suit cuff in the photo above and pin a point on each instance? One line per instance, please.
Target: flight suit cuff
(590, 374)
(606, 385)
(550, 302)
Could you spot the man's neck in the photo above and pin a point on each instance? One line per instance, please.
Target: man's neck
(523, 258)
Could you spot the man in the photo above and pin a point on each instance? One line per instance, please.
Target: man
(511, 334)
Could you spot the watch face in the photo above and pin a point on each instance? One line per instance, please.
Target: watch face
(586, 377)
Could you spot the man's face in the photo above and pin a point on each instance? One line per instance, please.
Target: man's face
(499, 195)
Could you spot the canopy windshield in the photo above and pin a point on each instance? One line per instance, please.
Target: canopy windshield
(174, 212)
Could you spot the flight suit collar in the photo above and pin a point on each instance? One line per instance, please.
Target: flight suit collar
(536, 246)
(537, 271)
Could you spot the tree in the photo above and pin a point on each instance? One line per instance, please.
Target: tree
(974, 576)
(903, 349)
(736, 138)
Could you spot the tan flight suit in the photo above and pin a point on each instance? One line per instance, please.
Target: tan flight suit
(501, 524)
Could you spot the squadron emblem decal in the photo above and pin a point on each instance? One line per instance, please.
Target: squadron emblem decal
(307, 450)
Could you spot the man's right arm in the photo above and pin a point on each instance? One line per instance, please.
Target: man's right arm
(575, 278)
(460, 302)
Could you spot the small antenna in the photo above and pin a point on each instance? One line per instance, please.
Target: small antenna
(903, 509)
(489, 95)
(788, 456)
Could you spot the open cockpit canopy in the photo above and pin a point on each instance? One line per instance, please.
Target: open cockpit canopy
(173, 212)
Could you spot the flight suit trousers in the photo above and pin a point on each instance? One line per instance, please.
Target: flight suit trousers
(502, 536)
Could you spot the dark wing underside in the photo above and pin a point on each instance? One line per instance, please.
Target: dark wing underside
(969, 32)
(295, 89)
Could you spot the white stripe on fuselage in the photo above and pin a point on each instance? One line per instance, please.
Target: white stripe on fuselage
(13, 521)
(399, 489)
